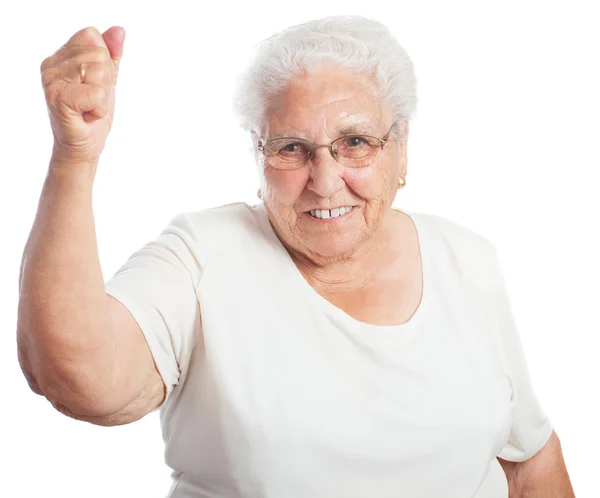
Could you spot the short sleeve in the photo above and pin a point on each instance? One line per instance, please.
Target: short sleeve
(531, 427)
(157, 284)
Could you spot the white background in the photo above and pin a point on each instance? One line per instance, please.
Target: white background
(505, 141)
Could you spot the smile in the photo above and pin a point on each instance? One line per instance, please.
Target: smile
(325, 214)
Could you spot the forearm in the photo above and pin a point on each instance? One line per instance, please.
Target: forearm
(64, 340)
(542, 476)
(551, 482)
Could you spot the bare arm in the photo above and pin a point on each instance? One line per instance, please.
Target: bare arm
(542, 476)
(77, 346)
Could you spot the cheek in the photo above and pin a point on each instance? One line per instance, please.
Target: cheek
(370, 182)
(285, 187)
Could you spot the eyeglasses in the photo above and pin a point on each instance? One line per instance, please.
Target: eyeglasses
(352, 151)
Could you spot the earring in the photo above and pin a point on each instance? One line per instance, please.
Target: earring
(259, 194)
(401, 183)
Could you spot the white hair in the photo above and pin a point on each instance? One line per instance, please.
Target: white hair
(361, 44)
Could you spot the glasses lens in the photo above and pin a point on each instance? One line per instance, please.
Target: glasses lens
(357, 151)
(285, 153)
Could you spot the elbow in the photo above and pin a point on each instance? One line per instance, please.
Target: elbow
(74, 390)
(80, 396)
(97, 410)
(76, 394)
(33, 385)
(25, 365)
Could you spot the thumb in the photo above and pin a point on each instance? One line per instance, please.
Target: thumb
(114, 37)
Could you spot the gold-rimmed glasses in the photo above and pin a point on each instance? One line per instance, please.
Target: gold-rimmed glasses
(352, 151)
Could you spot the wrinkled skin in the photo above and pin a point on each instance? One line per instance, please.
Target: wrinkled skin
(316, 106)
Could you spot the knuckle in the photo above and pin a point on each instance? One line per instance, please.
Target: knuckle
(89, 33)
(57, 92)
(91, 53)
(103, 74)
(104, 54)
(54, 72)
(87, 36)
(49, 62)
(44, 64)
(98, 93)
(46, 78)
(110, 74)
(52, 93)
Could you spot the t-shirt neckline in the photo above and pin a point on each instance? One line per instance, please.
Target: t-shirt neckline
(340, 314)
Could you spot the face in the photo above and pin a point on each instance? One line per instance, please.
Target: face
(317, 106)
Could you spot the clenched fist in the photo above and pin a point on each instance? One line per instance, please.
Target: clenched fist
(79, 83)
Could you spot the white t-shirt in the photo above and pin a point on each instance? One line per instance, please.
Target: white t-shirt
(274, 392)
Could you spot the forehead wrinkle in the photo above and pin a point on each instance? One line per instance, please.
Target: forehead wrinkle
(313, 92)
(299, 99)
(358, 124)
(352, 115)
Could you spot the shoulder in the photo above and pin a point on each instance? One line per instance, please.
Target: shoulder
(453, 232)
(461, 248)
(221, 221)
(222, 229)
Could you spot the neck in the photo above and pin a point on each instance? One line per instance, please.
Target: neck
(352, 271)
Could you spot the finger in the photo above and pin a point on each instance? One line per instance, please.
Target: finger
(77, 54)
(114, 38)
(79, 98)
(95, 73)
(87, 36)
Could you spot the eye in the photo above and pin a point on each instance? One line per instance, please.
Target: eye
(285, 147)
(293, 147)
(355, 141)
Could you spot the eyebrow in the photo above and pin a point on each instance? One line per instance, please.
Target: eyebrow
(356, 128)
(361, 128)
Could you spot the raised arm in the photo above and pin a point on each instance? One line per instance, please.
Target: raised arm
(77, 346)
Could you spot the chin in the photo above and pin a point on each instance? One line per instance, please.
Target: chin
(330, 248)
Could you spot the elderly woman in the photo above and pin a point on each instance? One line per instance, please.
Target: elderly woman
(320, 343)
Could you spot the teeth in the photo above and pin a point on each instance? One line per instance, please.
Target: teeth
(333, 213)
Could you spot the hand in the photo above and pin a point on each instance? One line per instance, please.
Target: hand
(81, 112)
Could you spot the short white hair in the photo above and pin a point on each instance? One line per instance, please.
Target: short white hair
(361, 44)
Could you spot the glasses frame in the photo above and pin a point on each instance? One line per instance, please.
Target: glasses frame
(314, 147)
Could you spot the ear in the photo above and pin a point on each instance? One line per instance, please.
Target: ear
(403, 143)
(404, 158)
(403, 155)
(403, 128)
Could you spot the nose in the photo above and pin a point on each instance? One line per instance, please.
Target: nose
(326, 174)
